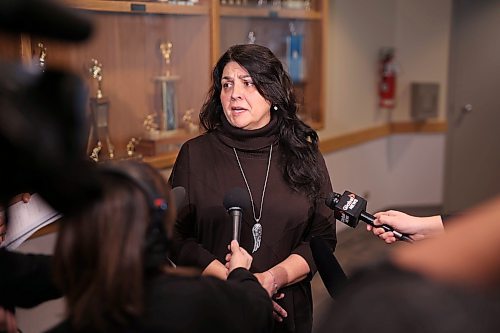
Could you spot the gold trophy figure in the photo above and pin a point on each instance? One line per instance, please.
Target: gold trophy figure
(131, 147)
(99, 109)
(166, 51)
(42, 56)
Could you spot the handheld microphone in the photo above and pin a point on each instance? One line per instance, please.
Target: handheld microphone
(234, 202)
(330, 270)
(350, 208)
(179, 195)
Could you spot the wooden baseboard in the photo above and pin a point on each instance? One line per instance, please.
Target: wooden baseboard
(339, 142)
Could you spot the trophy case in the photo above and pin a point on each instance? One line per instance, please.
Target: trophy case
(295, 31)
(148, 65)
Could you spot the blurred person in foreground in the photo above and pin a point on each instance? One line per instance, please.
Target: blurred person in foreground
(111, 265)
(449, 283)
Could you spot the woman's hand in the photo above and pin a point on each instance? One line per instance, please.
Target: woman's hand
(268, 281)
(7, 321)
(238, 257)
(25, 197)
(278, 312)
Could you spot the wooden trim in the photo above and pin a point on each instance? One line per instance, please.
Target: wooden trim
(26, 51)
(143, 7)
(162, 161)
(343, 141)
(215, 34)
(325, 25)
(352, 139)
(419, 127)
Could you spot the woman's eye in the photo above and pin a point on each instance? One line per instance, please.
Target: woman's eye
(249, 83)
(226, 84)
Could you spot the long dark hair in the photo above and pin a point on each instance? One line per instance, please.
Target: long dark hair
(100, 252)
(298, 141)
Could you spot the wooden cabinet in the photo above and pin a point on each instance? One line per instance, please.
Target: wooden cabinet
(127, 41)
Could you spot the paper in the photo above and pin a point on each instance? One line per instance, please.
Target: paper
(26, 218)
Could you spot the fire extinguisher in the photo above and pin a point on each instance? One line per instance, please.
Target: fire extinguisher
(387, 84)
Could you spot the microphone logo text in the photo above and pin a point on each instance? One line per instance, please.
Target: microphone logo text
(351, 203)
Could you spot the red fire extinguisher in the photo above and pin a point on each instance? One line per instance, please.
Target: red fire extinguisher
(387, 84)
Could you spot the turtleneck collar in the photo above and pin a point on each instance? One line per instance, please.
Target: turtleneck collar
(250, 140)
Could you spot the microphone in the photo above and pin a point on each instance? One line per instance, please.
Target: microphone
(234, 201)
(330, 270)
(350, 208)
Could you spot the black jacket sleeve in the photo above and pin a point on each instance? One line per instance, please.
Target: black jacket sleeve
(26, 279)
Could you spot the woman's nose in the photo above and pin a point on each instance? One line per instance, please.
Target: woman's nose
(237, 91)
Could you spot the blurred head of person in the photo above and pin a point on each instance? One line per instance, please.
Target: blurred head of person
(106, 252)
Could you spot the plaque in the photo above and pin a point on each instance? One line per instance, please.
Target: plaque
(99, 139)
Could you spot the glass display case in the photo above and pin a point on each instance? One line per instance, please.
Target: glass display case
(148, 65)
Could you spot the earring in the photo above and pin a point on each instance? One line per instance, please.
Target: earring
(275, 108)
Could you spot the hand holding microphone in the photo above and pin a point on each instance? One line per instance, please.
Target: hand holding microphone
(418, 227)
(234, 202)
(237, 257)
(350, 208)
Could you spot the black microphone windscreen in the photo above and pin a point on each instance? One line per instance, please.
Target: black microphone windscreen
(236, 197)
(332, 199)
(179, 195)
(332, 274)
(44, 18)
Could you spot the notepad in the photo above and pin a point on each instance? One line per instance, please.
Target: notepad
(26, 218)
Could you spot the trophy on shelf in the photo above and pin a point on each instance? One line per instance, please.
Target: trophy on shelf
(161, 130)
(251, 38)
(168, 114)
(294, 55)
(99, 113)
(42, 56)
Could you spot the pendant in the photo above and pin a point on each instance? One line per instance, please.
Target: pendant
(257, 236)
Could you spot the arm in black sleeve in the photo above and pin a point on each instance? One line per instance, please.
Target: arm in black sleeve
(26, 279)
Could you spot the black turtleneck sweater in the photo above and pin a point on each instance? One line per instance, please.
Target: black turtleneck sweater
(207, 168)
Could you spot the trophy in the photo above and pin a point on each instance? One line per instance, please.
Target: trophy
(162, 132)
(42, 56)
(168, 114)
(294, 55)
(251, 38)
(99, 109)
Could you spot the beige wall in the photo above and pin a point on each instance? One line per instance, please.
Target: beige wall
(422, 41)
(401, 169)
(419, 30)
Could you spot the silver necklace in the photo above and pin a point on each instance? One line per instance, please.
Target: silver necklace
(257, 227)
